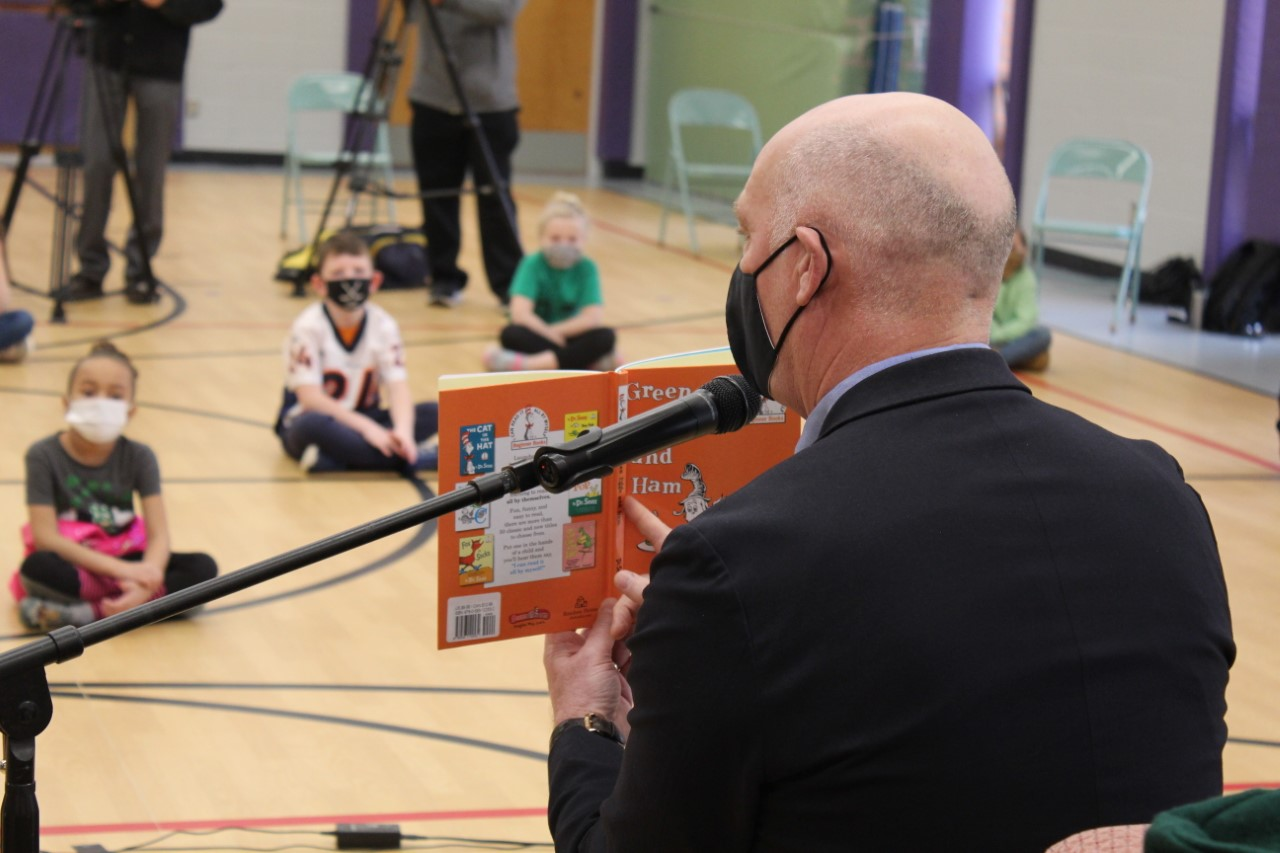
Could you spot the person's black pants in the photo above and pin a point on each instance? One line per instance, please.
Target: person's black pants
(444, 151)
(50, 576)
(578, 353)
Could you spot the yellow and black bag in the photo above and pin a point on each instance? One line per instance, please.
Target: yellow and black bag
(400, 254)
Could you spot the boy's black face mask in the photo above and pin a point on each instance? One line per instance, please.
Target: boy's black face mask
(753, 350)
(349, 292)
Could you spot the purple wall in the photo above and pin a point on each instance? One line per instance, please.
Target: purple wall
(25, 40)
(362, 26)
(617, 81)
(1015, 133)
(1233, 152)
(1263, 211)
(964, 55)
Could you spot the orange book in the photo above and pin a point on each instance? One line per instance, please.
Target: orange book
(536, 562)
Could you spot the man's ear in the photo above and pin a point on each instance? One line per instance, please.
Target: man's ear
(814, 266)
(375, 281)
(318, 285)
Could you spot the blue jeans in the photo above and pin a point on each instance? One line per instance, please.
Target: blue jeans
(14, 327)
(345, 448)
(1019, 351)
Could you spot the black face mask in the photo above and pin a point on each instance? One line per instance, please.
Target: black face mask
(349, 292)
(753, 351)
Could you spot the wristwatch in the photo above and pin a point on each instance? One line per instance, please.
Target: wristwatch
(594, 723)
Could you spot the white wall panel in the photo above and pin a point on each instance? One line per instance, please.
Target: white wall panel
(242, 62)
(1142, 70)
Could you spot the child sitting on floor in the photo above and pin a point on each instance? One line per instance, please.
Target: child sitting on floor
(340, 353)
(88, 553)
(1014, 330)
(557, 311)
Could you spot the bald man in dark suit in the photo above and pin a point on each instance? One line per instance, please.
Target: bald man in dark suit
(958, 618)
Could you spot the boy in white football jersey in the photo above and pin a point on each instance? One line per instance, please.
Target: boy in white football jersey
(341, 353)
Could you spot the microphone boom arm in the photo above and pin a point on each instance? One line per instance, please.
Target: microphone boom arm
(724, 404)
(26, 706)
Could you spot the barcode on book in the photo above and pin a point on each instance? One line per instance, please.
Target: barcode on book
(473, 617)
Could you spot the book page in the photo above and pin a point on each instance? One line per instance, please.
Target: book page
(531, 562)
(536, 562)
(682, 482)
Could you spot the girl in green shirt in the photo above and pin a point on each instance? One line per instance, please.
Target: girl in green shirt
(557, 311)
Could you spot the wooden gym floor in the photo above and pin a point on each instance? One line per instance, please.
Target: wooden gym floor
(318, 698)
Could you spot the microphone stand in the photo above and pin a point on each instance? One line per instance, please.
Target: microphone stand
(26, 706)
(722, 405)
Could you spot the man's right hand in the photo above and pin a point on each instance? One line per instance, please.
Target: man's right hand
(632, 587)
(583, 674)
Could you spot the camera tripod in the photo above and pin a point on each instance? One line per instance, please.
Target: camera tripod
(72, 37)
(370, 107)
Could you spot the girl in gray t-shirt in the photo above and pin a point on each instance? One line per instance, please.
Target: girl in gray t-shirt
(89, 554)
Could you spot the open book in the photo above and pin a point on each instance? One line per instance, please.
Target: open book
(536, 562)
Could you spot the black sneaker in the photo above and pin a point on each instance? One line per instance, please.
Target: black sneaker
(138, 293)
(80, 289)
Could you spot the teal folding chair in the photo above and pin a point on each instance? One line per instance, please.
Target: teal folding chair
(334, 93)
(1085, 176)
(715, 109)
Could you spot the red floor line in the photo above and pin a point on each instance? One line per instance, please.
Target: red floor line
(320, 821)
(394, 817)
(1154, 424)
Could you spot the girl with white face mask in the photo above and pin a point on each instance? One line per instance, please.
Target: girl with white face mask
(88, 553)
(557, 310)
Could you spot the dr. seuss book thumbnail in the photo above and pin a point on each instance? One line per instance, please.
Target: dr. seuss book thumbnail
(536, 562)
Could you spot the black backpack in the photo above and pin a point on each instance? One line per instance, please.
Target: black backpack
(1171, 283)
(1244, 294)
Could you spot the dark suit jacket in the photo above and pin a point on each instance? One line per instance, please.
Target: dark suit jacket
(148, 42)
(962, 620)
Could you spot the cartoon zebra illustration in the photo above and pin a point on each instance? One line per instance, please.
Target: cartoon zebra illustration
(695, 503)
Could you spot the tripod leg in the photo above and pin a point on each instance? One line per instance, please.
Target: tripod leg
(64, 202)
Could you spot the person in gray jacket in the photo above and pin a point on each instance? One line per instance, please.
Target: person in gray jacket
(479, 34)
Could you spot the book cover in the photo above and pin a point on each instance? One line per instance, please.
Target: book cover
(535, 562)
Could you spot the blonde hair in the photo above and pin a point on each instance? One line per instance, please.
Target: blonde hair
(105, 349)
(562, 205)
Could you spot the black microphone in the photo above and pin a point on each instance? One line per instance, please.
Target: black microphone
(724, 404)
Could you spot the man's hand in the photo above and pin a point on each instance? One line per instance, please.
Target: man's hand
(583, 676)
(632, 587)
(646, 522)
(154, 4)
